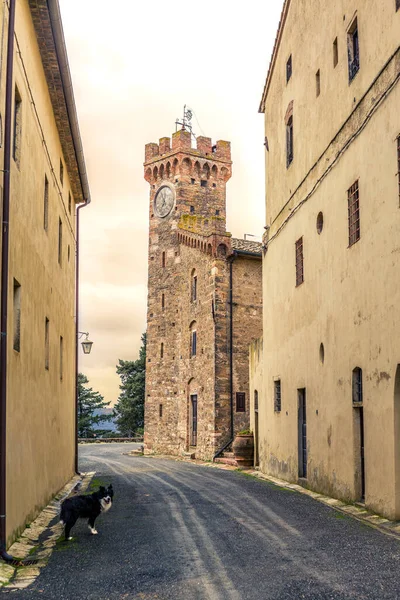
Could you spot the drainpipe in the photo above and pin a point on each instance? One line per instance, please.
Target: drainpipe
(4, 282)
(77, 330)
(232, 435)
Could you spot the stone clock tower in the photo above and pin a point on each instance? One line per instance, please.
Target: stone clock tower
(188, 285)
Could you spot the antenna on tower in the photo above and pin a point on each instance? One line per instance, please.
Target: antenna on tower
(186, 121)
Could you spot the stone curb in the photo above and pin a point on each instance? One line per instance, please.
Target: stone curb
(359, 512)
(11, 577)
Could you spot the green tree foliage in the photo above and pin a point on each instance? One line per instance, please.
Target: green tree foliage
(129, 410)
(89, 403)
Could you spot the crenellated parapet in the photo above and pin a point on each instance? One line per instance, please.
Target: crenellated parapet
(208, 235)
(207, 163)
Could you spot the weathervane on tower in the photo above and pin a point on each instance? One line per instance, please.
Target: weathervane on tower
(186, 121)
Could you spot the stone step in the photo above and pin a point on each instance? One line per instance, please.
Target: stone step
(228, 454)
(226, 461)
(191, 455)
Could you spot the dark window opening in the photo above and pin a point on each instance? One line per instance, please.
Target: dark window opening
(357, 388)
(162, 301)
(162, 350)
(16, 151)
(299, 262)
(289, 142)
(335, 53)
(277, 396)
(46, 204)
(193, 343)
(61, 357)
(214, 185)
(289, 68)
(163, 260)
(59, 241)
(69, 202)
(17, 316)
(192, 209)
(46, 343)
(192, 181)
(160, 410)
(240, 402)
(203, 183)
(61, 172)
(217, 212)
(318, 82)
(353, 203)
(320, 222)
(353, 52)
(397, 4)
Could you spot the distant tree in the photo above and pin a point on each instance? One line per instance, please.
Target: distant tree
(89, 403)
(129, 409)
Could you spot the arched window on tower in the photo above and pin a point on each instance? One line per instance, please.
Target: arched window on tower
(193, 339)
(357, 387)
(193, 286)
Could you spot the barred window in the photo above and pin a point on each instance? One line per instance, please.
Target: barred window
(357, 390)
(299, 262)
(240, 402)
(353, 213)
(277, 396)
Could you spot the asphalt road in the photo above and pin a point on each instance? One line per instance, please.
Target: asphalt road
(179, 531)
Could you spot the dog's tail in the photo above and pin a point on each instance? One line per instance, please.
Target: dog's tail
(62, 515)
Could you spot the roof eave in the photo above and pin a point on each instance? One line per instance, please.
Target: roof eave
(278, 38)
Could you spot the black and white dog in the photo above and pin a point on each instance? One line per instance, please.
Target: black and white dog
(85, 507)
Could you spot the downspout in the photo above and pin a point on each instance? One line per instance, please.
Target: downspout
(4, 283)
(232, 433)
(77, 330)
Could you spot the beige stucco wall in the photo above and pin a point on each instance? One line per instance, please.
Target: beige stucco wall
(308, 36)
(40, 405)
(350, 297)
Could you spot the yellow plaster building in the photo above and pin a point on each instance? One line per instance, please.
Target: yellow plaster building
(47, 180)
(326, 378)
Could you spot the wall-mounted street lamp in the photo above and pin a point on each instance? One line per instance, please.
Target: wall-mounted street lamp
(86, 344)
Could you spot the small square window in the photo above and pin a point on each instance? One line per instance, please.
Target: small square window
(217, 212)
(240, 402)
(192, 181)
(288, 68)
(203, 183)
(192, 209)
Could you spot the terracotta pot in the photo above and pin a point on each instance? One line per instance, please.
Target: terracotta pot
(243, 450)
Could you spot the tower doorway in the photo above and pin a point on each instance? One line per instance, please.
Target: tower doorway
(193, 419)
(302, 433)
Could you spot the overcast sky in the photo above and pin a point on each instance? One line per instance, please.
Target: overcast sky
(134, 65)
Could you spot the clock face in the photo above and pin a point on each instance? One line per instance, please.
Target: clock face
(164, 201)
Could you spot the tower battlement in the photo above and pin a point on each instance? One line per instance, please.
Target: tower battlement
(167, 160)
(181, 142)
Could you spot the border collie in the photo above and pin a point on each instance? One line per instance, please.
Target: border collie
(85, 507)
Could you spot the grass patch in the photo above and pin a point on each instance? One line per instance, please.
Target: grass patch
(94, 485)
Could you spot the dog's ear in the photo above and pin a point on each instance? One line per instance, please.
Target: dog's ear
(110, 487)
(102, 488)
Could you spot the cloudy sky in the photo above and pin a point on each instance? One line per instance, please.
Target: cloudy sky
(134, 65)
